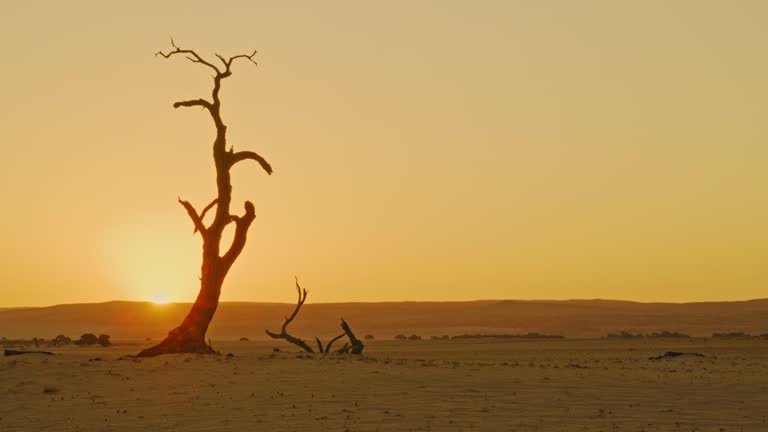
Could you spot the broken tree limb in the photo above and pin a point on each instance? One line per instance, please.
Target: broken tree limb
(354, 346)
(190, 103)
(284, 332)
(673, 354)
(196, 219)
(9, 353)
(357, 345)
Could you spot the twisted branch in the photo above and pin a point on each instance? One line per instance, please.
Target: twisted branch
(242, 223)
(283, 331)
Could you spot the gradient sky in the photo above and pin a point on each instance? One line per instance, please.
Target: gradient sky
(429, 150)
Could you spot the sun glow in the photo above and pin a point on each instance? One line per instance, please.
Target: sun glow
(158, 264)
(161, 298)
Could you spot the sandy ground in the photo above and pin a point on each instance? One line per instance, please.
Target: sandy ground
(474, 385)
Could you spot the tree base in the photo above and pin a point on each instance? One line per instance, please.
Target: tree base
(179, 342)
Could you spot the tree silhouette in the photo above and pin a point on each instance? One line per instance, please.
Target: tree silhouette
(189, 336)
(354, 346)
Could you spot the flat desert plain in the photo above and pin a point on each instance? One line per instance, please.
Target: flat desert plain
(455, 385)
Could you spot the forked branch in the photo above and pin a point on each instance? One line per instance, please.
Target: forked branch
(195, 58)
(191, 56)
(228, 62)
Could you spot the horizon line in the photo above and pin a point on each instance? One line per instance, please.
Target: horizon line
(396, 301)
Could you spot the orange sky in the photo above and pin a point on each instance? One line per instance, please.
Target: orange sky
(422, 150)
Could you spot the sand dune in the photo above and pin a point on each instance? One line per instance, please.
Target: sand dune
(575, 318)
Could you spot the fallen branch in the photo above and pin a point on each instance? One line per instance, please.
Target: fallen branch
(354, 346)
(328, 347)
(357, 346)
(9, 353)
(673, 354)
(283, 331)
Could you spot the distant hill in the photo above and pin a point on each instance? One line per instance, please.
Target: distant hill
(571, 318)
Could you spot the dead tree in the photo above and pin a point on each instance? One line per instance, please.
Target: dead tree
(189, 336)
(354, 346)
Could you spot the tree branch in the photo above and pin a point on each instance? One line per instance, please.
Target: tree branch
(242, 223)
(245, 155)
(299, 304)
(191, 55)
(228, 63)
(328, 347)
(196, 220)
(207, 208)
(190, 103)
(357, 345)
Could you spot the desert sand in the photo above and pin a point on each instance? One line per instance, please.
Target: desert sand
(455, 385)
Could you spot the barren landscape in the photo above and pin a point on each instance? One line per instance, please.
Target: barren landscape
(569, 318)
(345, 216)
(455, 385)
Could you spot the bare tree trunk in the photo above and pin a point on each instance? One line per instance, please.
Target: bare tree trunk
(189, 336)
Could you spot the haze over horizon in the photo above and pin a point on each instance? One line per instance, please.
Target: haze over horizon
(160, 305)
(508, 150)
(572, 319)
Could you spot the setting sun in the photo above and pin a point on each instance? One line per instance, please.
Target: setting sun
(160, 298)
